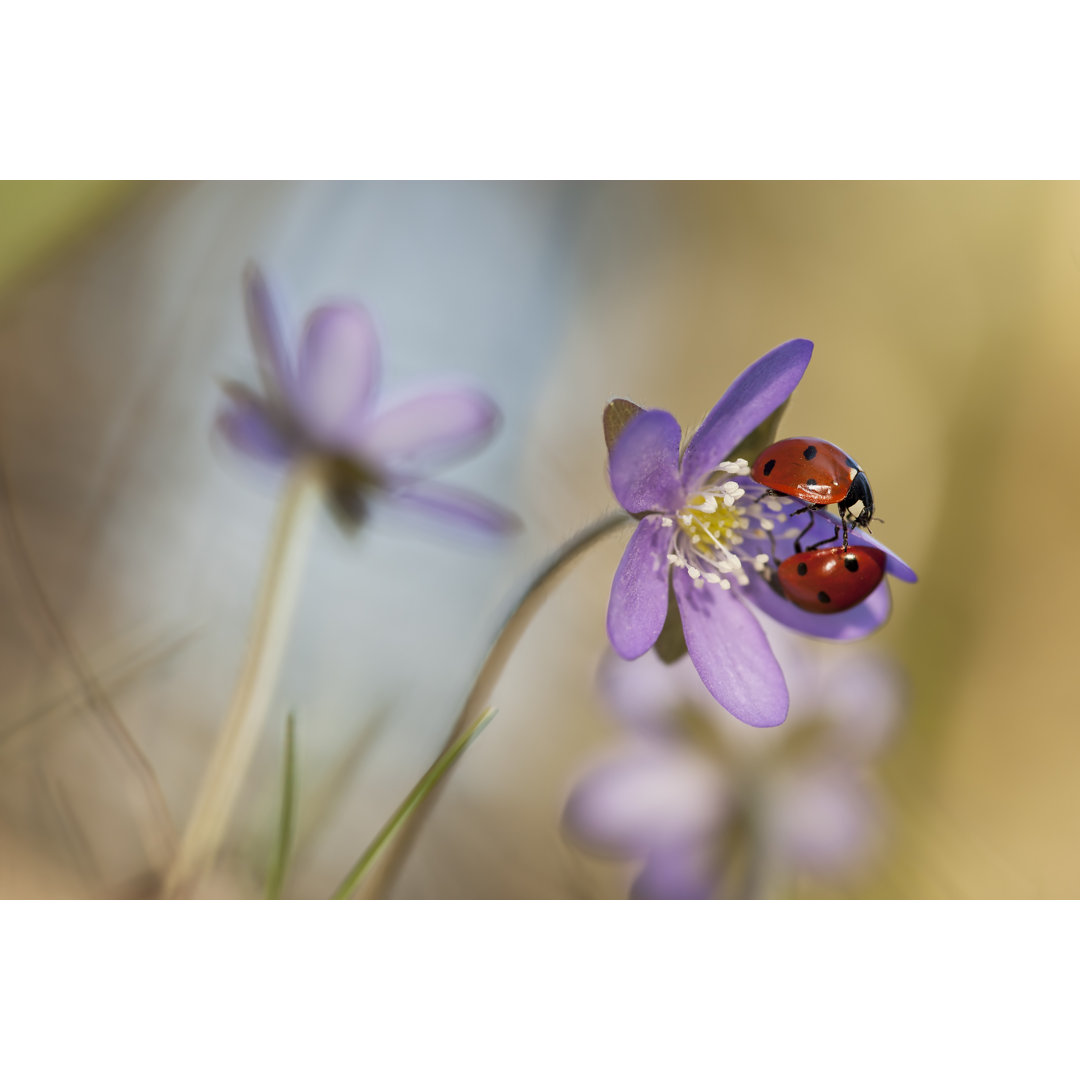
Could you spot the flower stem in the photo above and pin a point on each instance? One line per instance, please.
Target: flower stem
(381, 879)
(413, 801)
(239, 735)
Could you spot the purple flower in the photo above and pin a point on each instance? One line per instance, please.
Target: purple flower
(713, 534)
(706, 805)
(321, 401)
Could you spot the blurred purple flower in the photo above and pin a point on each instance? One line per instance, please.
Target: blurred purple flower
(706, 527)
(321, 401)
(708, 805)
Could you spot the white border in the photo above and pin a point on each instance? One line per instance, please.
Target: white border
(587, 89)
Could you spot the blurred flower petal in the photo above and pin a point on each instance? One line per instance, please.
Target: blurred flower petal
(264, 325)
(250, 427)
(863, 701)
(645, 695)
(822, 820)
(731, 654)
(432, 426)
(764, 386)
(639, 594)
(456, 508)
(644, 463)
(338, 372)
(645, 798)
(677, 872)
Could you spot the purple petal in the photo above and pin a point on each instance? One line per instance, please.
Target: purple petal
(651, 795)
(639, 593)
(251, 427)
(646, 695)
(433, 426)
(644, 463)
(764, 386)
(338, 372)
(684, 872)
(848, 625)
(731, 653)
(264, 326)
(822, 819)
(457, 509)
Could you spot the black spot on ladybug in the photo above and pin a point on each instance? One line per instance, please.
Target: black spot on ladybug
(801, 568)
(769, 466)
(810, 453)
(811, 483)
(850, 562)
(824, 598)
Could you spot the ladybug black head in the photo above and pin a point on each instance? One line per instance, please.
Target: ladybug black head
(858, 504)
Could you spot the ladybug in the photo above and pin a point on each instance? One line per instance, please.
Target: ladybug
(831, 579)
(819, 474)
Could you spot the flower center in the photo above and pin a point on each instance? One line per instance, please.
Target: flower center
(722, 531)
(710, 520)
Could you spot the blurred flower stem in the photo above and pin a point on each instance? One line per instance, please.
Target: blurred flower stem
(381, 879)
(239, 736)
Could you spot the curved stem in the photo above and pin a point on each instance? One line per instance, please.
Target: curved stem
(382, 877)
(239, 735)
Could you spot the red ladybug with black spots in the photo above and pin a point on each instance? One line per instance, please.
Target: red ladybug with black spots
(826, 580)
(818, 474)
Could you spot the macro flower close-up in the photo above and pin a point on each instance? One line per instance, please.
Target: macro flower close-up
(320, 401)
(709, 807)
(215, 687)
(713, 536)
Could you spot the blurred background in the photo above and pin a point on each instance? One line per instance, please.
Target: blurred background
(946, 362)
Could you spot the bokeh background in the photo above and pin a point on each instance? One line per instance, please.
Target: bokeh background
(946, 361)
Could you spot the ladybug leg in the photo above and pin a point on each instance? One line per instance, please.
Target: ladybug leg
(830, 539)
(809, 525)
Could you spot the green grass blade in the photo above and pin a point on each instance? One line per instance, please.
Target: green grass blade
(275, 881)
(414, 799)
